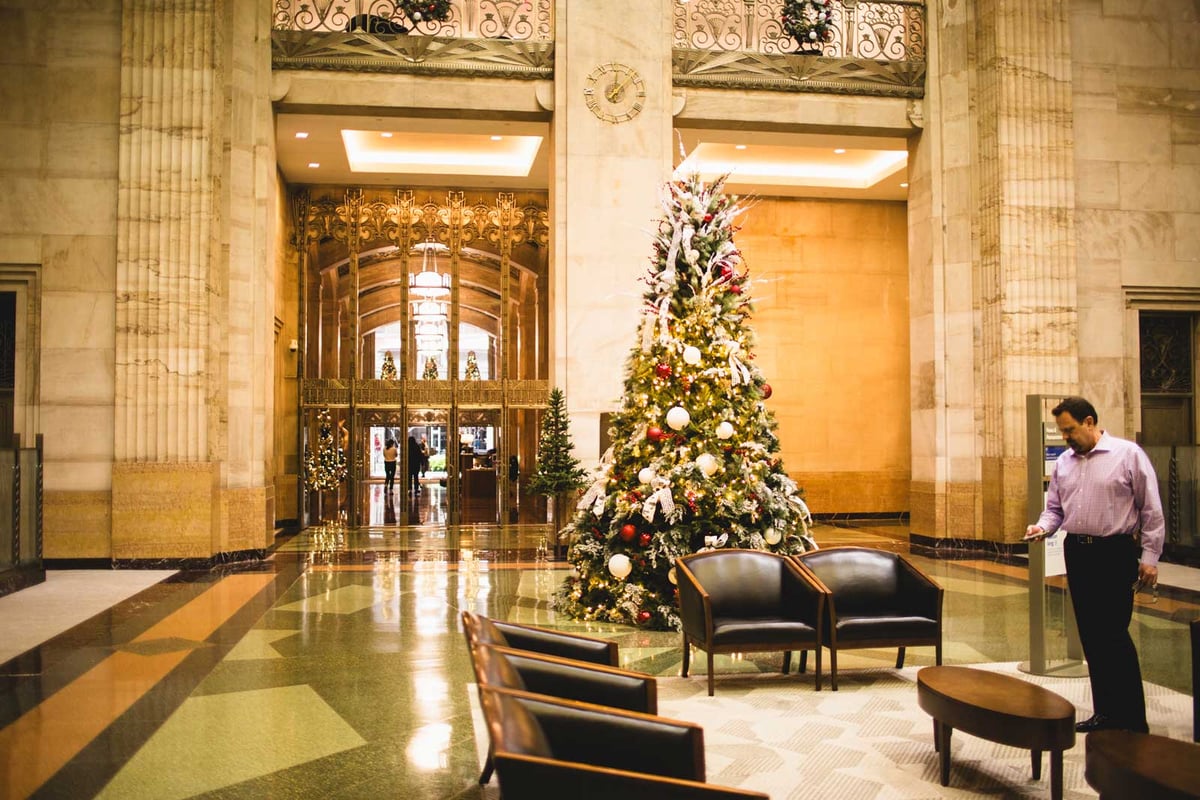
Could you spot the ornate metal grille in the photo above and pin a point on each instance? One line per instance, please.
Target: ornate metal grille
(1166, 353)
(521, 20)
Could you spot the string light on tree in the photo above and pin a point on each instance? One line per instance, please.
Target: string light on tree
(694, 447)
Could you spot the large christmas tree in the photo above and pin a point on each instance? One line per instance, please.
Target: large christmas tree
(693, 463)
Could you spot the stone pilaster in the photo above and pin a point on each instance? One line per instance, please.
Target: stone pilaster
(194, 286)
(1027, 270)
(605, 192)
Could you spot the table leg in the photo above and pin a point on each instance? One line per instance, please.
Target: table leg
(1036, 760)
(944, 738)
(1056, 775)
(936, 736)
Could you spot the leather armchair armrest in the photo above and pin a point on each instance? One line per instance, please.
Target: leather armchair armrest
(584, 682)
(695, 608)
(804, 596)
(922, 594)
(557, 643)
(608, 737)
(535, 778)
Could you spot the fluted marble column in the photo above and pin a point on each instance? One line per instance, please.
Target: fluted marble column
(1027, 275)
(992, 258)
(194, 285)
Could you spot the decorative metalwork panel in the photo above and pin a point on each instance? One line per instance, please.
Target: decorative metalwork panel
(791, 73)
(379, 394)
(364, 52)
(480, 393)
(527, 394)
(1166, 353)
(326, 393)
(428, 393)
(519, 20)
(893, 30)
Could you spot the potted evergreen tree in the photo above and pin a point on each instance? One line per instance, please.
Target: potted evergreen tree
(558, 472)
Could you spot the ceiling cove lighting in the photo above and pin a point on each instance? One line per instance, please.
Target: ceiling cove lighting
(301, 134)
(314, 164)
(451, 154)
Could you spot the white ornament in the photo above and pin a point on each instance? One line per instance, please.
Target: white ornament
(678, 418)
(645, 475)
(812, 35)
(620, 566)
(416, 16)
(671, 576)
(724, 430)
(772, 536)
(691, 355)
(707, 464)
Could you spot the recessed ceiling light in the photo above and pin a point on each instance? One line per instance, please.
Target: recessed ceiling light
(904, 186)
(739, 147)
(301, 134)
(497, 138)
(840, 150)
(386, 134)
(314, 164)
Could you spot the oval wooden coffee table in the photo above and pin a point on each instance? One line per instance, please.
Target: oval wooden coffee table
(999, 708)
(1128, 764)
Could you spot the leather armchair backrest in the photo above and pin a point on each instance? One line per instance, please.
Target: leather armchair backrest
(480, 630)
(513, 728)
(740, 583)
(494, 669)
(864, 582)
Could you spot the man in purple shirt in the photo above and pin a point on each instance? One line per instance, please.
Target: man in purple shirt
(1104, 494)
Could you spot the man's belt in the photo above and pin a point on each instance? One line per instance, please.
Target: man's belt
(1084, 538)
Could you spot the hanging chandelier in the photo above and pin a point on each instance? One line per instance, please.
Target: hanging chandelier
(429, 283)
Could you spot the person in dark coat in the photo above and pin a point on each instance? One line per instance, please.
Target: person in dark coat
(414, 465)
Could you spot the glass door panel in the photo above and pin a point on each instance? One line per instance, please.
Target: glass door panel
(478, 463)
(426, 485)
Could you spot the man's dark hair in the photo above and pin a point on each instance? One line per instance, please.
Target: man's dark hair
(1078, 408)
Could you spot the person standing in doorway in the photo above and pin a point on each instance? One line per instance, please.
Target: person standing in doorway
(390, 454)
(414, 465)
(1104, 495)
(424, 456)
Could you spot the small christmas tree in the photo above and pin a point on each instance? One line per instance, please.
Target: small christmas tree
(472, 369)
(324, 468)
(387, 371)
(693, 464)
(431, 370)
(558, 471)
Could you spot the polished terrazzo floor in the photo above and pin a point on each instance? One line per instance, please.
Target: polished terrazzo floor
(337, 667)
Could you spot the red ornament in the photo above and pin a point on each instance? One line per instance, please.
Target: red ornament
(645, 539)
(654, 433)
(663, 371)
(736, 288)
(687, 383)
(628, 532)
(766, 390)
(643, 617)
(708, 217)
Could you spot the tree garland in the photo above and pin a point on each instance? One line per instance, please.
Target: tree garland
(425, 10)
(809, 22)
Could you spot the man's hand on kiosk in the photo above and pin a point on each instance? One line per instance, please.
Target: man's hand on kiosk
(1035, 534)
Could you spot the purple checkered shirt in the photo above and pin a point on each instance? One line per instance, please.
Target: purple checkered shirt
(1111, 489)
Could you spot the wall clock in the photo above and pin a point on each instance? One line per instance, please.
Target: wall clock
(615, 92)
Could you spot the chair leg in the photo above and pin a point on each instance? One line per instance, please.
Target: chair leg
(787, 661)
(818, 670)
(804, 659)
(833, 668)
(488, 768)
(900, 659)
(711, 686)
(687, 655)
(939, 654)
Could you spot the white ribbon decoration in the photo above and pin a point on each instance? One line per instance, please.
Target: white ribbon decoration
(713, 542)
(660, 497)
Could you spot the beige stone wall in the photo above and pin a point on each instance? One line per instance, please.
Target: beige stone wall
(831, 297)
(1137, 190)
(58, 170)
(286, 464)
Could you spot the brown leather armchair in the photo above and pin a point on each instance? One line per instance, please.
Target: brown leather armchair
(482, 630)
(748, 601)
(545, 748)
(876, 599)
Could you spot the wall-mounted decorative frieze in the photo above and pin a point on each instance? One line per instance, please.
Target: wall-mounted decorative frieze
(519, 20)
(717, 69)
(491, 58)
(325, 393)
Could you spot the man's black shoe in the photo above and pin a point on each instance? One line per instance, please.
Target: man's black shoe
(1097, 722)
